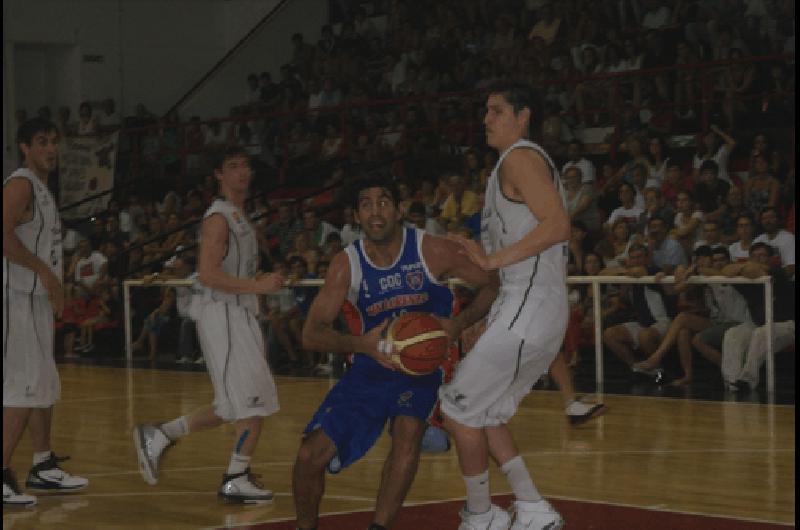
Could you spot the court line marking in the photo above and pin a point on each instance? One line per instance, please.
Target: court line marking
(757, 450)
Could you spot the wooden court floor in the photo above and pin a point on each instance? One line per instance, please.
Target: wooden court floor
(717, 458)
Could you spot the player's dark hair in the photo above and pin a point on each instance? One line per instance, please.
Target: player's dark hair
(219, 156)
(372, 182)
(32, 127)
(518, 95)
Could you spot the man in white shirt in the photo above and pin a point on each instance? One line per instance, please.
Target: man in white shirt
(576, 159)
(777, 237)
(628, 210)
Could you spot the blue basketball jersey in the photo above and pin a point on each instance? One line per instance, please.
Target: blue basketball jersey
(380, 293)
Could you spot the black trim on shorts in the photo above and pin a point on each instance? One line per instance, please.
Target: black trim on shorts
(527, 292)
(519, 360)
(6, 312)
(227, 354)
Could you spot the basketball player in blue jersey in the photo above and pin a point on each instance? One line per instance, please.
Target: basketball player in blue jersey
(524, 230)
(32, 292)
(391, 270)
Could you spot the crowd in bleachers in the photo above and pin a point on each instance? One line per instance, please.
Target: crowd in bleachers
(641, 198)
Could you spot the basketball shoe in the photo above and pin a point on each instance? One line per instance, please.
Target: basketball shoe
(579, 412)
(495, 519)
(538, 515)
(243, 488)
(12, 495)
(48, 475)
(150, 443)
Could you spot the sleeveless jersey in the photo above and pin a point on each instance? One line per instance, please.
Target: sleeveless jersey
(532, 282)
(41, 235)
(380, 293)
(241, 256)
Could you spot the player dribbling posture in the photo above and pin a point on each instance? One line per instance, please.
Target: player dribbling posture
(32, 291)
(230, 337)
(390, 270)
(524, 228)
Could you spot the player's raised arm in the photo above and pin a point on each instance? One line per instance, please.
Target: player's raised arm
(318, 332)
(213, 246)
(527, 177)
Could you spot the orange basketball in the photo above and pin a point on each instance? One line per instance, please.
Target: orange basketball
(420, 343)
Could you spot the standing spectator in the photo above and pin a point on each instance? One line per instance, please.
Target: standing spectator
(656, 16)
(581, 204)
(87, 125)
(711, 191)
(709, 149)
(777, 237)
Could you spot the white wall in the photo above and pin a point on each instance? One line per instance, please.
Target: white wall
(153, 51)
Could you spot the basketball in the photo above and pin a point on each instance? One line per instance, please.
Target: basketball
(419, 341)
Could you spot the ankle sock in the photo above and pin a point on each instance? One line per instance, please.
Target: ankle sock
(40, 457)
(238, 464)
(478, 500)
(176, 428)
(520, 480)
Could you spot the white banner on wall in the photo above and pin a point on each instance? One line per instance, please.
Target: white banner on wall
(86, 168)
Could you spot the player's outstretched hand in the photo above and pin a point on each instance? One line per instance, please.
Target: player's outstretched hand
(381, 349)
(55, 292)
(269, 282)
(472, 250)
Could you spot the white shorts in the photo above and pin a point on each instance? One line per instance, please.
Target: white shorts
(30, 378)
(489, 384)
(233, 347)
(634, 328)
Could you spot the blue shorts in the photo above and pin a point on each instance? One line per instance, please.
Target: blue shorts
(355, 410)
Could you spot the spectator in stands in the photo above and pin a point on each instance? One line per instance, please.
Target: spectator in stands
(87, 125)
(738, 85)
(284, 228)
(614, 248)
(761, 190)
(649, 305)
(98, 231)
(744, 347)
(711, 191)
(333, 244)
(659, 161)
(107, 119)
(709, 149)
(101, 310)
(326, 96)
(656, 15)
(745, 230)
(350, 229)
(317, 229)
(548, 25)
(304, 248)
(688, 219)
(728, 309)
(581, 204)
(578, 245)
(417, 217)
(302, 56)
(734, 207)
(676, 180)
(712, 235)
(576, 159)
(154, 324)
(666, 252)
(269, 92)
(113, 233)
(460, 202)
(88, 267)
(216, 134)
(65, 126)
(778, 238)
(628, 210)
(654, 206)
(685, 83)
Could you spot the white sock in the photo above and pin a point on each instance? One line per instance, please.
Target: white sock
(40, 457)
(520, 480)
(238, 464)
(176, 428)
(478, 499)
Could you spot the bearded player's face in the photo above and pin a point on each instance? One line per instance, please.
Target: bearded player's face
(377, 214)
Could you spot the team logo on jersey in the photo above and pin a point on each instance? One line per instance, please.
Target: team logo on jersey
(403, 400)
(414, 280)
(254, 401)
(236, 217)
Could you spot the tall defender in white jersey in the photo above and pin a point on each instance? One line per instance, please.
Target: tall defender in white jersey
(32, 291)
(524, 230)
(230, 337)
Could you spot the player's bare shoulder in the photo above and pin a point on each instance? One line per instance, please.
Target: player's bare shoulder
(17, 200)
(441, 255)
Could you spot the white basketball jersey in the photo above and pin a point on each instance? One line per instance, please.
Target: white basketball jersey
(241, 257)
(41, 235)
(537, 281)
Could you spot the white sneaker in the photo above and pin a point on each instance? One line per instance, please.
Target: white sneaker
(150, 443)
(12, 496)
(579, 412)
(183, 360)
(495, 519)
(536, 516)
(200, 360)
(243, 488)
(48, 475)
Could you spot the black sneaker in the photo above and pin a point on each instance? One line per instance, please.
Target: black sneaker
(243, 488)
(579, 412)
(48, 475)
(12, 496)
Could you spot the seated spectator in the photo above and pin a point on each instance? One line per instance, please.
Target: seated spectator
(333, 245)
(778, 238)
(675, 181)
(744, 347)
(654, 206)
(687, 221)
(280, 309)
(303, 248)
(761, 190)
(350, 229)
(283, 229)
(649, 305)
(416, 217)
(73, 314)
(628, 211)
(183, 268)
(100, 310)
(548, 25)
(581, 205)
(659, 162)
(578, 246)
(712, 235)
(154, 324)
(317, 229)
(460, 202)
(65, 126)
(87, 125)
(576, 159)
(303, 296)
(88, 267)
(734, 208)
(614, 248)
(711, 191)
(710, 149)
(666, 252)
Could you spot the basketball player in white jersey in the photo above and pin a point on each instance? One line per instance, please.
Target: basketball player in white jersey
(525, 229)
(230, 337)
(32, 292)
